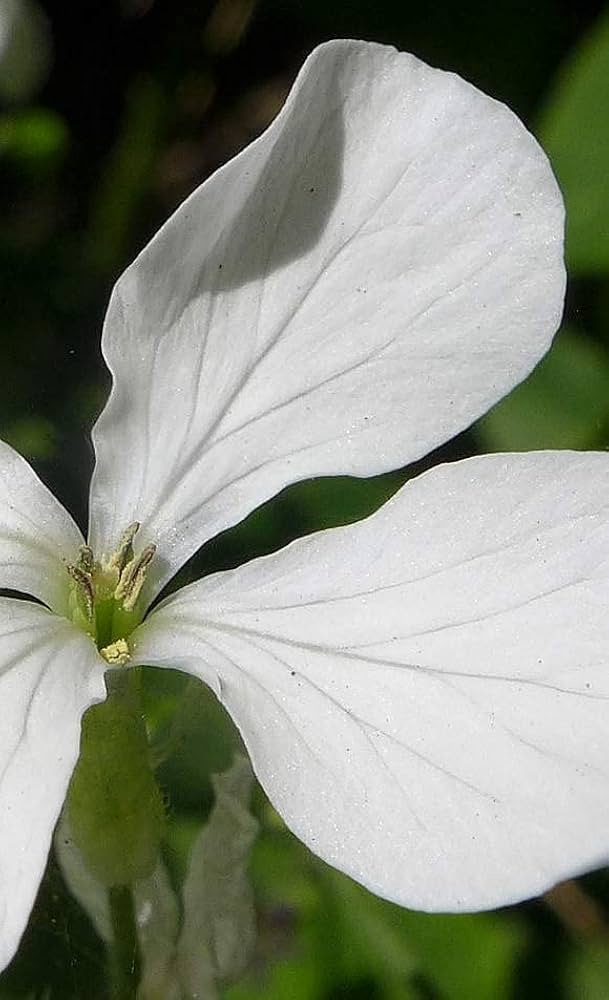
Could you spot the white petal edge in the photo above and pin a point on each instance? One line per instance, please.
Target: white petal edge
(382, 265)
(425, 694)
(37, 535)
(49, 675)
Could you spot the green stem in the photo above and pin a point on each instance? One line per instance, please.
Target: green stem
(124, 955)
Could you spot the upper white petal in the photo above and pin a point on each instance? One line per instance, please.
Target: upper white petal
(425, 694)
(363, 281)
(37, 535)
(49, 674)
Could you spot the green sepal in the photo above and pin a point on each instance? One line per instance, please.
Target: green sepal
(115, 806)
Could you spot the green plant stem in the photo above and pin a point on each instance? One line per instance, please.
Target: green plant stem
(124, 954)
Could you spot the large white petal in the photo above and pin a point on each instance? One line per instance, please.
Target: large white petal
(37, 535)
(49, 674)
(374, 272)
(425, 694)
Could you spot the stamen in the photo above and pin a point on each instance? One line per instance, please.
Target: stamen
(132, 578)
(86, 560)
(124, 551)
(84, 590)
(104, 593)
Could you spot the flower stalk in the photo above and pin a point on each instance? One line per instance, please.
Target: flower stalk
(124, 958)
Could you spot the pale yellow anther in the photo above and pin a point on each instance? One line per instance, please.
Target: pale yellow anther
(123, 553)
(132, 578)
(86, 560)
(107, 572)
(84, 593)
(117, 653)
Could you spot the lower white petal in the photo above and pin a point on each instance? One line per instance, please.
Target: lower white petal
(425, 694)
(49, 674)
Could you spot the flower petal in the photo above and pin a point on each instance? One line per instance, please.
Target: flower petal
(425, 694)
(357, 286)
(37, 535)
(49, 674)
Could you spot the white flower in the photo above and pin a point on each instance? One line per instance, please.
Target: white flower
(423, 694)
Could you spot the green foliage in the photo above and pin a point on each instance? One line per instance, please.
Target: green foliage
(33, 437)
(192, 738)
(213, 940)
(563, 404)
(339, 940)
(124, 180)
(588, 972)
(34, 139)
(574, 130)
(219, 924)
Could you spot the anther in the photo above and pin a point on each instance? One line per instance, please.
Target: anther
(84, 589)
(124, 552)
(86, 560)
(132, 578)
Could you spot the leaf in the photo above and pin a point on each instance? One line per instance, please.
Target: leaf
(378, 945)
(157, 924)
(156, 914)
(395, 944)
(587, 974)
(219, 929)
(85, 888)
(575, 133)
(564, 403)
(465, 956)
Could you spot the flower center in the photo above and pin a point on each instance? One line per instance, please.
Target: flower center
(104, 594)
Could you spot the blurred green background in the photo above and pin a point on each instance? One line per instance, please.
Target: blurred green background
(110, 114)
